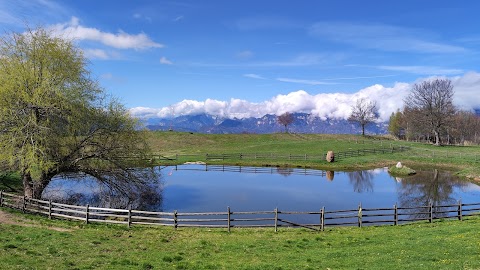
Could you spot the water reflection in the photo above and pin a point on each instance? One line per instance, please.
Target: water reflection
(197, 188)
(81, 189)
(330, 175)
(430, 188)
(284, 171)
(362, 181)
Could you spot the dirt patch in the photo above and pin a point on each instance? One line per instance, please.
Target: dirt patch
(6, 218)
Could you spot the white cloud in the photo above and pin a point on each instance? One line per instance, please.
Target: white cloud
(334, 105)
(381, 37)
(121, 40)
(466, 89)
(423, 70)
(254, 76)
(301, 81)
(325, 105)
(179, 18)
(165, 61)
(96, 54)
(36, 11)
(301, 60)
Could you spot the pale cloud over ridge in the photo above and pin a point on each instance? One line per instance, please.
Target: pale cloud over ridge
(324, 105)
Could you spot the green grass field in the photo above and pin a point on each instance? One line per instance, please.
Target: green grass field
(465, 160)
(33, 242)
(53, 244)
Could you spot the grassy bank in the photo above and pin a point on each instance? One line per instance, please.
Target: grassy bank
(47, 244)
(463, 159)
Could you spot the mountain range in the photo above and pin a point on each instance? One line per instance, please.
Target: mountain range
(302, 123)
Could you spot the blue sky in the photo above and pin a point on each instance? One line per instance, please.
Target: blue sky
(248, 58)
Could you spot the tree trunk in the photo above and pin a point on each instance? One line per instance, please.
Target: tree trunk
(363, 130)
(27, 184)
(437, 138)
(34, 189)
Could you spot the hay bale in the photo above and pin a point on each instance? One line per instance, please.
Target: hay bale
(330, 156)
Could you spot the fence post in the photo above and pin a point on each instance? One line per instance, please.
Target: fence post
(176, 157)
(129, 216)
(87, 210)
(460, 209)
(395, 214)
(50, 209)
(322, 219)
(276, 218)
(430, 219)
(228, 217)
(360, 215)
(24, 204)
(1, 198)
(175, 219)
(305, 156)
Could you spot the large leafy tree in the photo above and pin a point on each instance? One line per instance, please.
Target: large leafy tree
(430, 106)
(54, 118)
(364, 112)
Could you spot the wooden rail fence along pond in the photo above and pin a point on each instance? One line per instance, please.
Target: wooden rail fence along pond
(230, 219)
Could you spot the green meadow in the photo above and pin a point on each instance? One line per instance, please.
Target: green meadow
(39, 243)
(34, 242)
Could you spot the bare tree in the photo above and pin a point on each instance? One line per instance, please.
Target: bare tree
(432, 106)
(364, 112)
(285, 120)
(466, 127)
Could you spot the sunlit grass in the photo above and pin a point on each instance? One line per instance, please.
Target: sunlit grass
(463, 159)
(440, 245)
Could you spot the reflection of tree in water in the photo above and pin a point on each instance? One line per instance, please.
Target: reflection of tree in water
(145, 196)
(284, 171)
(361, 181)
(428, 187)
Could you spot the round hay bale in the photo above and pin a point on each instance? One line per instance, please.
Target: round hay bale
(330, 156)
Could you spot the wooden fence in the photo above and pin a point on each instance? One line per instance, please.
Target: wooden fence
(314, 220)
(276, 156)
(246, 169)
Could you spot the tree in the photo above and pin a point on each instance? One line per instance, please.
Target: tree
(285, 120)
(54, 118)
(431, 106)
(466, 127)
(364, 112)
(395, 124)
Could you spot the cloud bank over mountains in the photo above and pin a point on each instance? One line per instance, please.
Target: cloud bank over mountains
(323, 105)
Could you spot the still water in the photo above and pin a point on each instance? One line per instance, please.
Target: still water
(201, 188)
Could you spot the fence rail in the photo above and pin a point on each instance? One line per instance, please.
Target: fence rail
(277, 156)
(231, 219)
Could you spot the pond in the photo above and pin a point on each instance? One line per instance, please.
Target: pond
(202, 188)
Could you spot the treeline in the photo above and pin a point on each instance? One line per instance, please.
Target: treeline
(430, 115)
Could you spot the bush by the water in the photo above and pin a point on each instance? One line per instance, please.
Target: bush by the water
(401, 170)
